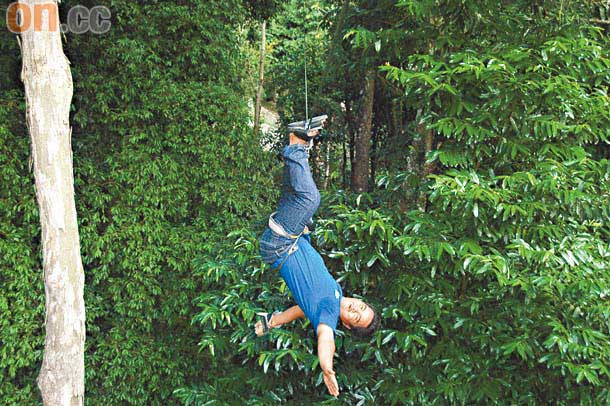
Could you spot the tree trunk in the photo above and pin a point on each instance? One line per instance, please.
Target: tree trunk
(261, 77)
(48, 92)
(314, 153)
(327, 166)
(360, 169)
(344, 164)
(375, 135)
(397, 127)
(410, 195)
(428, 139)
(351, 139)
(427, 168)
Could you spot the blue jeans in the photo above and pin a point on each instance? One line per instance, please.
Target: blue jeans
(298, 203)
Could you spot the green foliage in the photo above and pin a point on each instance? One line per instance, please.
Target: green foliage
(496, 293)
(281, 366)
(22, 298)
(164, 167)
(508, 102)
(511, 273)
(176, 138)
(296, 39)
(262, 9)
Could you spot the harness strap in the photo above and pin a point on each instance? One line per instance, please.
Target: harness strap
(291, 250)
(279, 230)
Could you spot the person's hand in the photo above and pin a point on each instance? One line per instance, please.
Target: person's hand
(258, 328)
(331, 382)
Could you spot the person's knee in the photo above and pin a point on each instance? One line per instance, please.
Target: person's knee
(308, 200)
(312, 198)
(316, 198)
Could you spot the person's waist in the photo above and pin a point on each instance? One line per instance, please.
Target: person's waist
(280, 230)
(270, 239)
(274, 247)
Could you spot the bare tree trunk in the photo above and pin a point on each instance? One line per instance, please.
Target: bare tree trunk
(410, 196)
(375, 135)
(351, 139)
(327, 166)
(314, 153)
(360, 169)
(397, 128)
(427, 168)
(48, 91)
(416, 164)
(428, 139)
(261, 77)
(344, 164)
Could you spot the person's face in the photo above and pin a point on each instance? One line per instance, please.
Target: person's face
(355, 313)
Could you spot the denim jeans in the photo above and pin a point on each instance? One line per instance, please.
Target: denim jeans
(298, 203)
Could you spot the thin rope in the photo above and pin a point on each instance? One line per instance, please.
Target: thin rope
(306, 106)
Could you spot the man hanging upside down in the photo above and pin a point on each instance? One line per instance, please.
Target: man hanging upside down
(285, 245)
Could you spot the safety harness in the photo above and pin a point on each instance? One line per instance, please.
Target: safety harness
(279, 230)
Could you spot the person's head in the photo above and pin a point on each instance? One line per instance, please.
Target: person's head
(359, 318)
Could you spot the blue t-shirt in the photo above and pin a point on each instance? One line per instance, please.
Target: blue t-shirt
(314, 289)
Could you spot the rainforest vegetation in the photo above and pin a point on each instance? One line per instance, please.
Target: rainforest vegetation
(465, 181)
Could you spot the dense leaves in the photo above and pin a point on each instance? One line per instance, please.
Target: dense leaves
(487, 251)
(164, 166)
(22, 299)
(497, 292)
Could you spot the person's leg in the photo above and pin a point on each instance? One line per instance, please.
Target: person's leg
(300, 197)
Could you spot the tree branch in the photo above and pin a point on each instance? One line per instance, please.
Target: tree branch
(599, 21)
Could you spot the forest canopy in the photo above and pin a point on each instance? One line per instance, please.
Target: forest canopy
(465, 181)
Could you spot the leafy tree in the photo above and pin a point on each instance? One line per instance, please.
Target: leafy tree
(164, 166)
(494, 290)
(485, 241)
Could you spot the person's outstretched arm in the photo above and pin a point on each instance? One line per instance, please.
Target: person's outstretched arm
(326, 352)
(280, 319)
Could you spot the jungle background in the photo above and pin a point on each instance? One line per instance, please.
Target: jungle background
(466, 194)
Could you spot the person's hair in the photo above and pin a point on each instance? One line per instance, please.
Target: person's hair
(364, 332)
